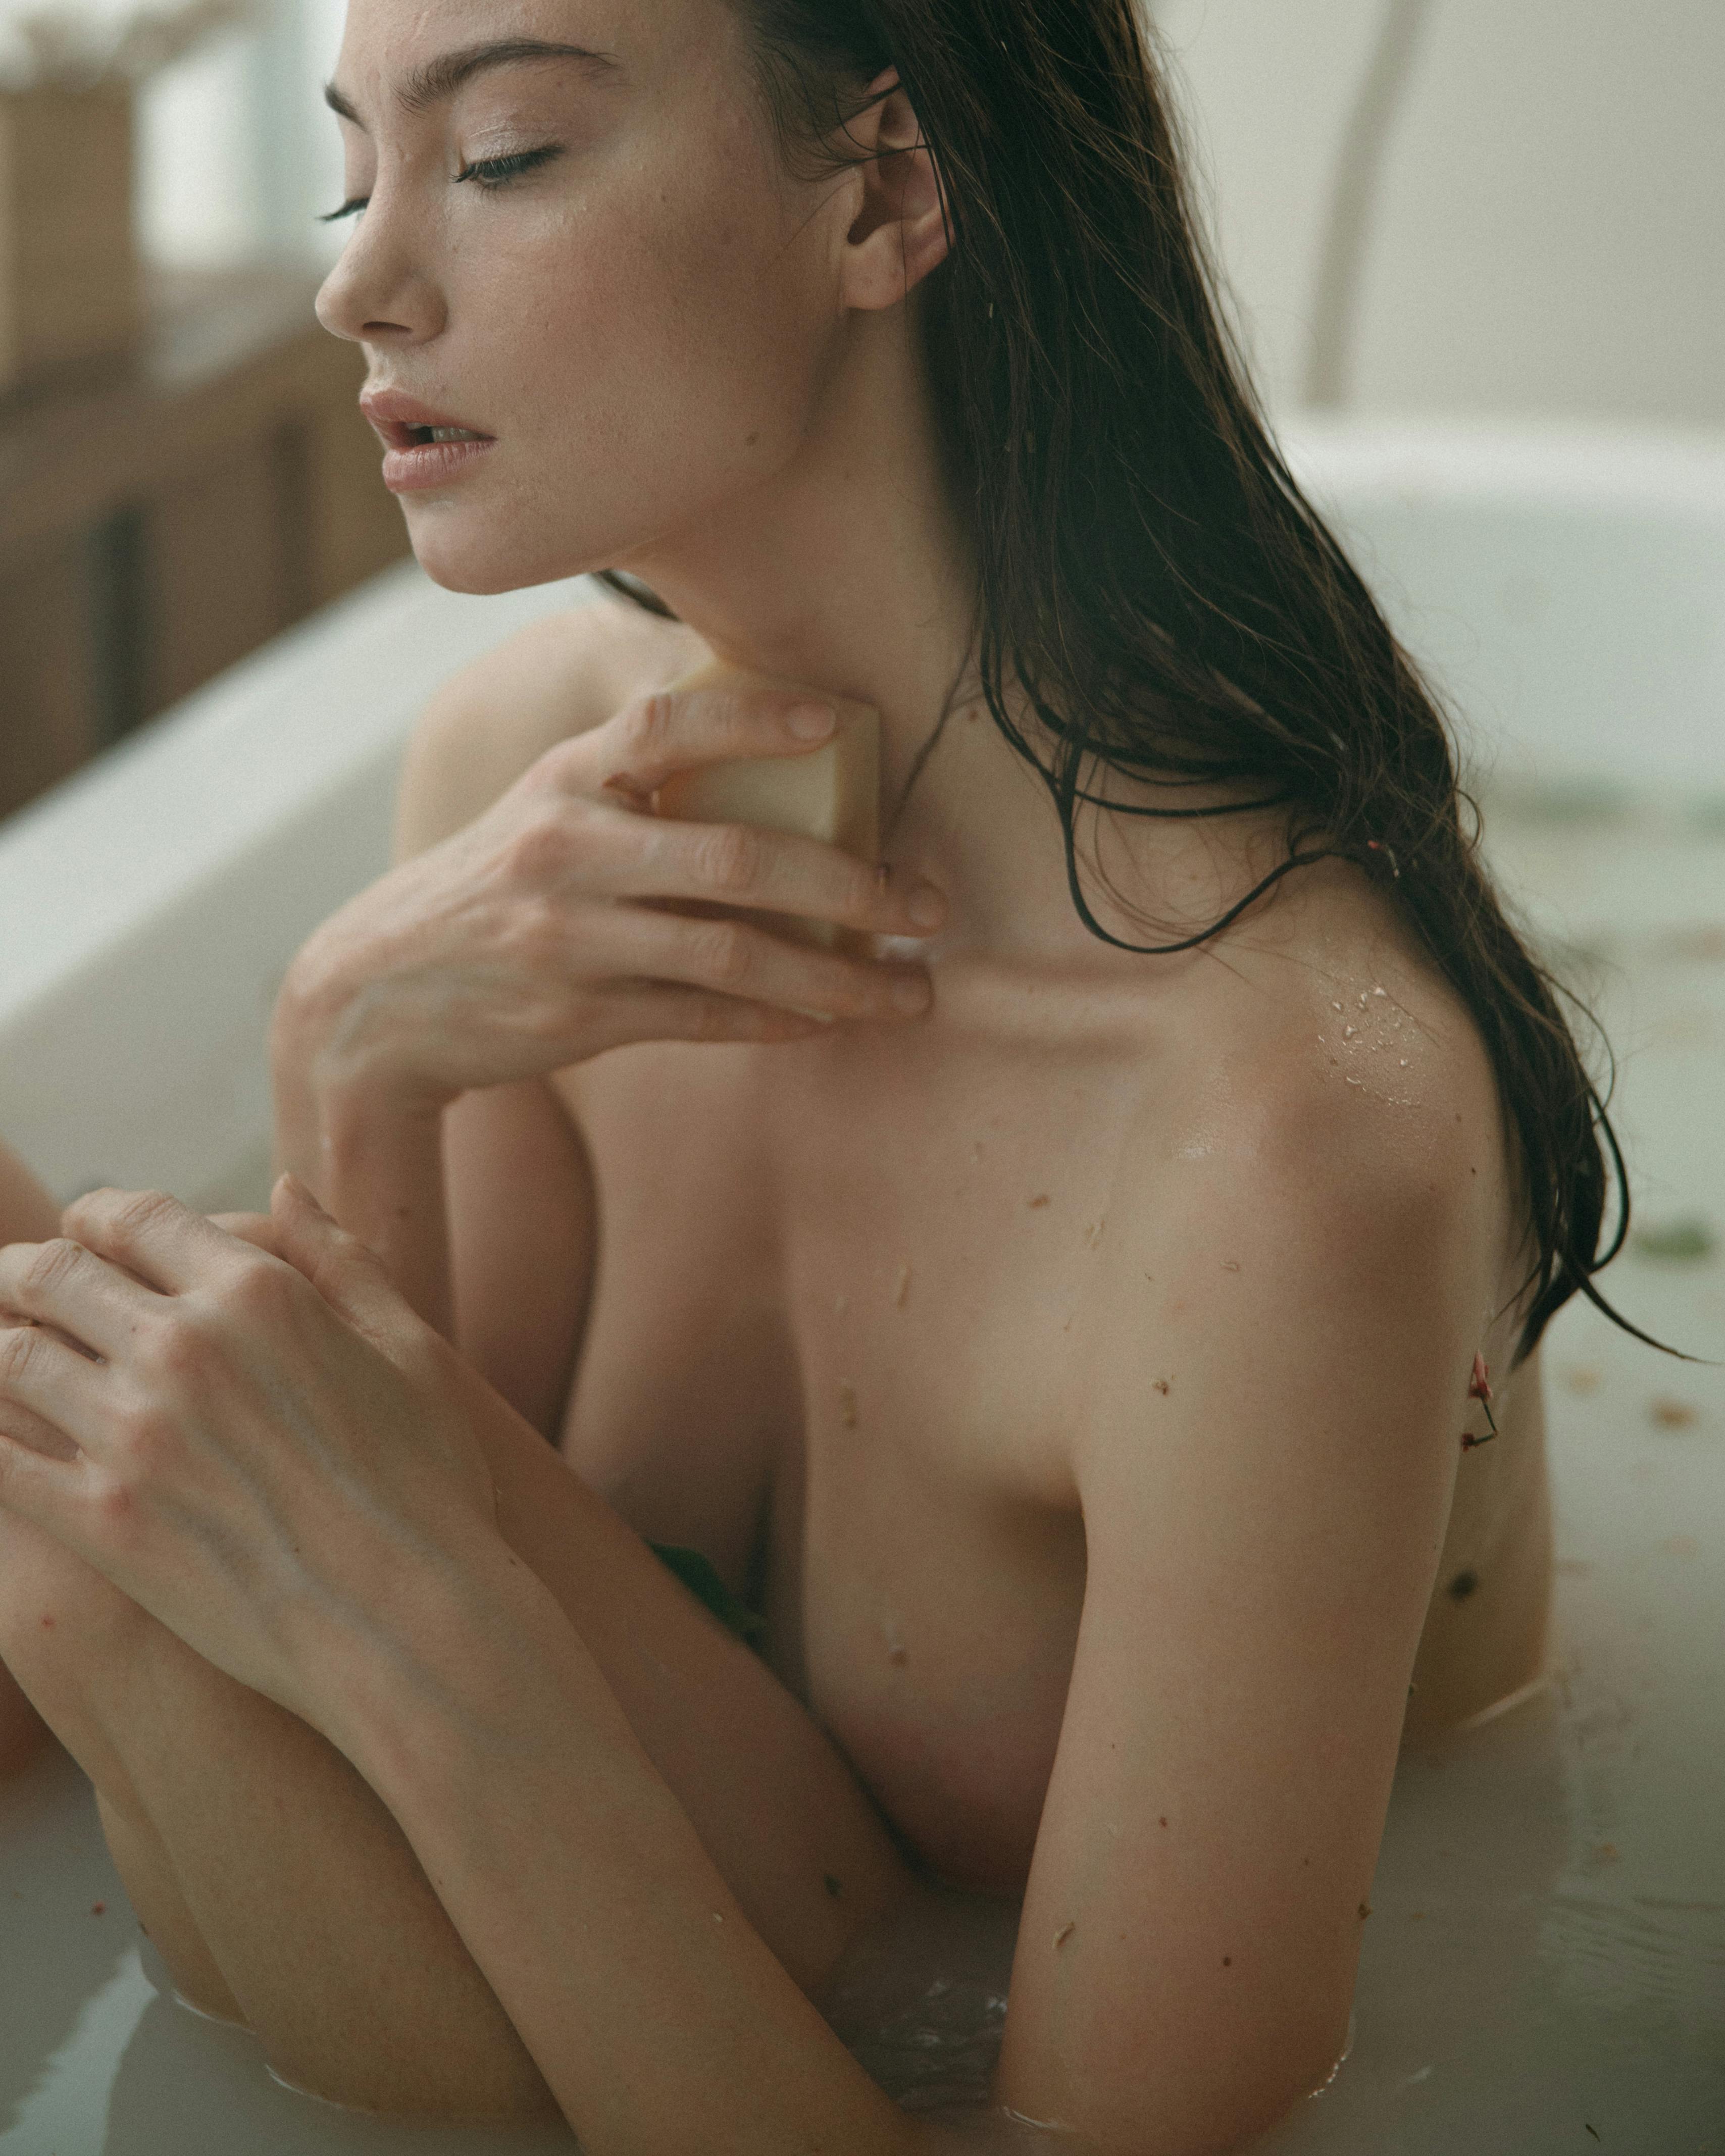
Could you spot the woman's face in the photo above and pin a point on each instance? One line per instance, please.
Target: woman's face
(639, 313)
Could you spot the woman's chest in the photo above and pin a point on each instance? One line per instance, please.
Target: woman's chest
(834, 1346)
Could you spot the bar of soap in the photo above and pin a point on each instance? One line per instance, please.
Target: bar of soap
(832, 793)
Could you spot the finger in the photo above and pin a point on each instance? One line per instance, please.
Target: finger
(49, 1392)
(675, 730)
(737, 958)
(63, 1284)
(41, 1486)
(165, 1244)
(257, 1228)
(778, 872)
(658, 1010)
(348, 1273)
(23, 1426)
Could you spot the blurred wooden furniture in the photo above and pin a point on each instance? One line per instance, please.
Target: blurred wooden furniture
(70, 284)
(163, 516)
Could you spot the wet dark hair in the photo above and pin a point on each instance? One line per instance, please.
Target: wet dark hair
(1149, 571)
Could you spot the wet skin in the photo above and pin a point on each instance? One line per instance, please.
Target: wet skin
(867, 1269)
(1076, 1366)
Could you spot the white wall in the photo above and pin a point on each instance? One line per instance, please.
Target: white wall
(1549, 233)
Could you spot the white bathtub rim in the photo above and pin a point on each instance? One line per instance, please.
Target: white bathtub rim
(1534, 463)
(180, 805)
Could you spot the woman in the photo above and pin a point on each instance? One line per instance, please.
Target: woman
(1075, 1324)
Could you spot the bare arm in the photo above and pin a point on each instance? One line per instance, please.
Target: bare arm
(421, 1184)
(563, 921)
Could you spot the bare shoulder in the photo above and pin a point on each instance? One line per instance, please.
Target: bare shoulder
(557, 677)
(1327, 1091)
(1345, 1045)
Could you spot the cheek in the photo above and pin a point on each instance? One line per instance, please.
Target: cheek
(686, 337)
(714, 275)
(639, 369)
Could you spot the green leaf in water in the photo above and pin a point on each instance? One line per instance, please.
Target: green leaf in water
(1686, 1241)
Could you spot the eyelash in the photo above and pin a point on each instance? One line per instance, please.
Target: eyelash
(490, 173)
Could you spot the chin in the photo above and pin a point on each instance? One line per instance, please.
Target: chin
(460, 554)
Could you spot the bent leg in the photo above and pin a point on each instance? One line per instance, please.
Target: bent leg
(277, 1888)
(281, 1892)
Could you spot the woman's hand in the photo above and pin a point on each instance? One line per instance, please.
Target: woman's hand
(264, 1449)
(541, 934)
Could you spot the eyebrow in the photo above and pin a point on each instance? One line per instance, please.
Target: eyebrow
(434, 81)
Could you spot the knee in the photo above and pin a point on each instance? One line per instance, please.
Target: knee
(63, 1626)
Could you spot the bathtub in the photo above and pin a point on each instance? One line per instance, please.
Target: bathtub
(1546, 1951)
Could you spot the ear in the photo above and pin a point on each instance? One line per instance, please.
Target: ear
(899, 233)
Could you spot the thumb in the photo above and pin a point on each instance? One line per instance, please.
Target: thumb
(347, 1273)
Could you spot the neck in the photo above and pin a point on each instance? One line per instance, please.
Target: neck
(847, 568)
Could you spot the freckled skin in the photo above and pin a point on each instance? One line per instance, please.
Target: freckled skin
(691, 370)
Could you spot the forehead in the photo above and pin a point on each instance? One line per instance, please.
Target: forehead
(632, 40)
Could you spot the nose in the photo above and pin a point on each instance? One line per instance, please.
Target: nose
(382, 291)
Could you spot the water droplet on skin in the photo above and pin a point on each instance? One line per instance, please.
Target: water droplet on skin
(903, 1288)
(847, 1403)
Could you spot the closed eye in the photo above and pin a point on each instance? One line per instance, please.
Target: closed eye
(499, 171)
(489, 172)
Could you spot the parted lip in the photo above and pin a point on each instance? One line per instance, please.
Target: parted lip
(400, 419)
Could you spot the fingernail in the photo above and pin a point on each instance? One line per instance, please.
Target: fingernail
(927, 906)
(883, 875)
(912, 993)
(812, 721)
